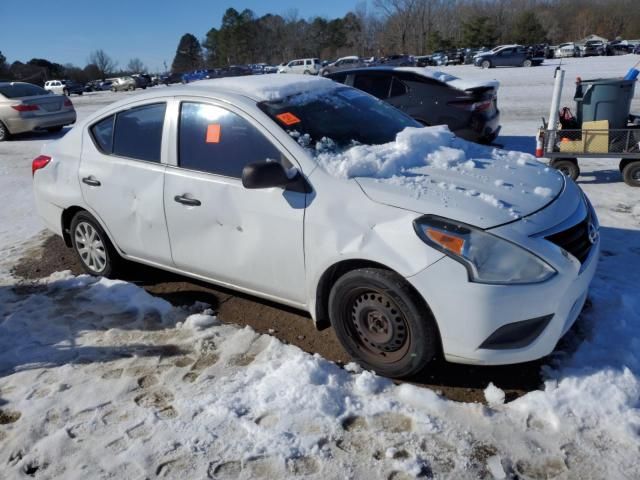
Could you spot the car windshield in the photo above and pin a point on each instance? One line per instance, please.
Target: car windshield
(339, 117)
(18, 90)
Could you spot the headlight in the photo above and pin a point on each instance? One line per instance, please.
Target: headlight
(487, 258)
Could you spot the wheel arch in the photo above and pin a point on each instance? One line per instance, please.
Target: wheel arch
(66, 218)
(332, 274)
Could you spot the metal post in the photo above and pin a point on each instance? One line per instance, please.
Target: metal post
(555, 105)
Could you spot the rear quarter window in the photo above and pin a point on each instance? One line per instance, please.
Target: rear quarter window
(102, 134)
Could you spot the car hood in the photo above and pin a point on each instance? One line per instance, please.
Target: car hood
(430, 171)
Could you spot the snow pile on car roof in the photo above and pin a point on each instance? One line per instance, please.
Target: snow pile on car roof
(271, 87)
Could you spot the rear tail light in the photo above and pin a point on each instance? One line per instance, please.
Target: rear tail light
(471, 106)
(25, 108)
(68, 102)
(39, 163)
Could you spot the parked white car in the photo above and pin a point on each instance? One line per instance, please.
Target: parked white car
(565, 50)
(411, 242)
(305, 66)
(54, 86)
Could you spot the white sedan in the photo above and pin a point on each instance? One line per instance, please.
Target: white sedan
(412, 243)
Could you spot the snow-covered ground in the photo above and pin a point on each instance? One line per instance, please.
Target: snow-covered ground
(98, 379)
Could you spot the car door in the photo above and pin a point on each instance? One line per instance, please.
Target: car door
(121, 177)
(502, 58)
(251, 239)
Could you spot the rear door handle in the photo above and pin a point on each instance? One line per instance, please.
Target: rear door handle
(192, 202)
(92, 182)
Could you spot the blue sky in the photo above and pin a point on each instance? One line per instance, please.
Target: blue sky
(66, 31)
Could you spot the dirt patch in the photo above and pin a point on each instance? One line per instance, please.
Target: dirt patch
(456, 382)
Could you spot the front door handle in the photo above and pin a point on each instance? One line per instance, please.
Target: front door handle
(192, 202)
(92, 182)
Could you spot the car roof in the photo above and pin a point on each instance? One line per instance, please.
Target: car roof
(446, 78)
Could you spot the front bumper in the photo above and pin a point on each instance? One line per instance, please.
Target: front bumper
(467, 313)
(30, 124)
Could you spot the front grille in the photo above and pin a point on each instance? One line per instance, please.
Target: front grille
(574, 240)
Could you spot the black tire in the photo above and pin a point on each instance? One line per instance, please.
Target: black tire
(102, 250)
(631, 173)
(54, 129)
(623, 163)
(383, 323)
(306, 72)
(568, 166)
(485, 64)
(4, 133)
(527, 63)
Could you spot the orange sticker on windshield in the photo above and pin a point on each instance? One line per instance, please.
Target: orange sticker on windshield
(288, 118)
(213, 133)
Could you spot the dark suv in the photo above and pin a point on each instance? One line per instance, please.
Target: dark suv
(469, 109)
(508, 56)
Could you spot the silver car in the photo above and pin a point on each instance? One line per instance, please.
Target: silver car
(123, 84)
(26, 108)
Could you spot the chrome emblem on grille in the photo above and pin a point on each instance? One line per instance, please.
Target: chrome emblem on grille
(593, 233)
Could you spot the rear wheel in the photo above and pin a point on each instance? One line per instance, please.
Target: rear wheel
(65, 92)
(486, 64)
(623, 163)
(92, 245)
(307, 72)
(567, 166)
(382, 323)
(631, 173)
(4, 132)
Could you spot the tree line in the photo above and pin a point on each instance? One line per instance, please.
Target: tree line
(38, 70)
(375, 28)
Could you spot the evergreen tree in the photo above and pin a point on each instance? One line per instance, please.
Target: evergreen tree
(527, 29)
(479, 32)
(188, 55)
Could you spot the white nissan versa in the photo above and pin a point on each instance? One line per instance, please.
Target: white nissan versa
(237, 182)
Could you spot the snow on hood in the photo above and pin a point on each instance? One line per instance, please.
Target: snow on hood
(430, 171)
(271, 87)
(451, 80)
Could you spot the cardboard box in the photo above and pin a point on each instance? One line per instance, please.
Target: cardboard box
(595, 136)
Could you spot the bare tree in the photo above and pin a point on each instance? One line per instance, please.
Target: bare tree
(135, 65)
(104, 62)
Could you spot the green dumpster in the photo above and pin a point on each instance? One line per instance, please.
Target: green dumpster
(605, 99)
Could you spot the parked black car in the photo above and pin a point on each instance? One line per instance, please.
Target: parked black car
(593, 48)
(469, 109)
(172, 78)
(398, 61)
(618, 47)
(507, 56)
(71, 87)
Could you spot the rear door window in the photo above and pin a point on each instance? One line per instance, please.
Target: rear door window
(138, 132)
(214, 140)
(376, 85)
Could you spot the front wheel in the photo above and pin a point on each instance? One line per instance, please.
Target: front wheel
(527, 63)
(567, 166)
(486, 64)
(94, 249)
(382, 322)
(631, 173)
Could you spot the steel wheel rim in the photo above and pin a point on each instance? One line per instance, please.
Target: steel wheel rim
(90, 247)
(377, 326)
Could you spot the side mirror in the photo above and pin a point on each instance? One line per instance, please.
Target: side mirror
(272, 174)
